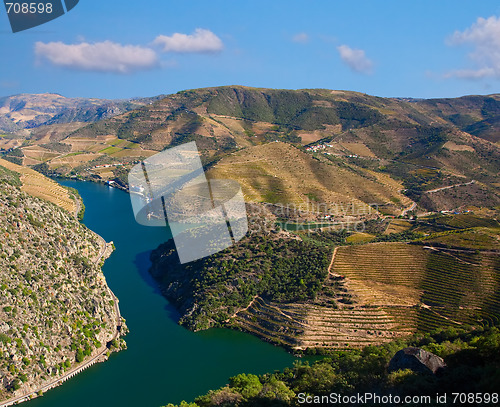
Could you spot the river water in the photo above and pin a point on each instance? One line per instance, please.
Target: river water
(164, 363)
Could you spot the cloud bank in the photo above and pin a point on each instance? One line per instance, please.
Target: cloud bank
(108, 56)
(200, 41)
(484, 37)
(355, 59)
(104, 56)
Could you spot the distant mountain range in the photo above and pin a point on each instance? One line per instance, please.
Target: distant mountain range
(26, 111)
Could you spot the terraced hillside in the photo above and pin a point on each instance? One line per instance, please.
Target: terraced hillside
(406, 148)
(37, 185)
(427, 274)
(421, 286)
(279, 174)
(389, 290)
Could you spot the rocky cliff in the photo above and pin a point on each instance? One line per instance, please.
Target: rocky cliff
(56, 310)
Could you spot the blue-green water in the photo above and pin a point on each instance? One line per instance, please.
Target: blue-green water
(164, 363)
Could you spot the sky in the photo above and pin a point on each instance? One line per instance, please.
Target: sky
(123, 49)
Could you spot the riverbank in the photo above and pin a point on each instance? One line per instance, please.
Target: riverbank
(99, 355)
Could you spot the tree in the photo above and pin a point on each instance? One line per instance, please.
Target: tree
(79, 355)
(277, 390)
(248, 385)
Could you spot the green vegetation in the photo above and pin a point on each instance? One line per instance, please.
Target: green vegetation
(428, 273)
(75, 195)
(110, 150)
(43, 168)
(14, 156)
(293, 109)
(57, 147)
(420, 143)
(54, 310)
(274, 268)
(472, 358)
(9, 177)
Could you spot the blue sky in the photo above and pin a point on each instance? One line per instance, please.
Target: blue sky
(121, 48)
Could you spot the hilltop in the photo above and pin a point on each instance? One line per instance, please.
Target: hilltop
(27, 111)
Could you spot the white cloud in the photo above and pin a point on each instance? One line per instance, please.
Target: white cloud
(484, 36)
(301, 38)
(104, 56)
(200, 41)
(356, 59)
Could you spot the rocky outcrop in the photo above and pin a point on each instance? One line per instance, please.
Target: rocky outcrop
(416, 359)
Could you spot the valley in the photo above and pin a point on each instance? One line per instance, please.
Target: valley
(371, 219)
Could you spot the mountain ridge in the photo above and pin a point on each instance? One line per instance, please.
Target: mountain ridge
(420, 144)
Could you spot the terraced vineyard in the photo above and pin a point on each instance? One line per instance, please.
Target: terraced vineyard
(40, 186)
(272, 323)
(280, 174)
(301, 326)
(423, 288)
(463, 221)
(380, 291)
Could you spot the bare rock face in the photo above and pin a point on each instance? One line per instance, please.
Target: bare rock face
(416, 359)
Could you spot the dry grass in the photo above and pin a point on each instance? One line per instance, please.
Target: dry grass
(452, 146)
(133, 153)
(281, 173)
(40, 186)
(105, 173)
(39, 153)
(308, 138)
(358, 148)
(72, 161)
(360, 238)
(85, 144)
(397, 226)
(10, 143)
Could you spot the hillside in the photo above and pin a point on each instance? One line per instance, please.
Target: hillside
(396, 149)
(26, 111)
(280, 174)
(344, 163)
(56, 310)
(324, 289)
(35, 184)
